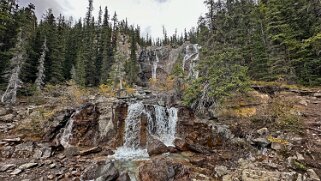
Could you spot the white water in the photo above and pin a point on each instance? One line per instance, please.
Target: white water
(166, 120)
(64, 140)
(155, 66)
(192, 71)
(132, 125)
(163, 128)
(131, 148)
(172, 123)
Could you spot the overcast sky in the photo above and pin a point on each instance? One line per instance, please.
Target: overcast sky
(151, 15)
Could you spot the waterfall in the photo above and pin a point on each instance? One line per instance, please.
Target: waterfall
(166, 120)
(186, 57)
(155, 66)
(132, 125)
(64, 139)
(193, 72)
(172, 123)
(131, 148)
(190, 51)
(162, 125)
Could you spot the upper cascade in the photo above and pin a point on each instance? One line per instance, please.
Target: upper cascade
(158, 62)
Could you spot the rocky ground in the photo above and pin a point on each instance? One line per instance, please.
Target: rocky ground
(269, 134)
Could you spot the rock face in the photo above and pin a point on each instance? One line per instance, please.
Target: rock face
(56, 123)
(158, 62)
(85, 126)
(195, 132)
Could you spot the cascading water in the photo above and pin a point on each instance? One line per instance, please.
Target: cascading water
(67, 133)
(166, 120)
(155, 66)
(162, 127)
(172, 123)
(190, 51)
(193, 72)
(131, 148)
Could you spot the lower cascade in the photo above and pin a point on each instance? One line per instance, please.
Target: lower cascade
(161, 124)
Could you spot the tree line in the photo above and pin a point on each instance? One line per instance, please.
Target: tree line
(262, 40)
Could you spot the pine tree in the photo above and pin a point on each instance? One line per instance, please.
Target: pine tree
(17, 61)
(41, 67)
(131, 67)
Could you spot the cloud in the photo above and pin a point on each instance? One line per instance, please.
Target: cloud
(161, 1)
(147, 31)
(43, 5)
(150, 15)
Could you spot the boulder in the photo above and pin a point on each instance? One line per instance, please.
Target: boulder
(162, 169)
(101, 171)
(156, 147)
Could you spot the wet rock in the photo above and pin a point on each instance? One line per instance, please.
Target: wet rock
(220, 171)
(28, 165)
(172, 149)
(312, 175)
(181, 145)
(156, 147)
(123, 177)
(16, 172)
(90, 151)
(7, 167)
(162, 169)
